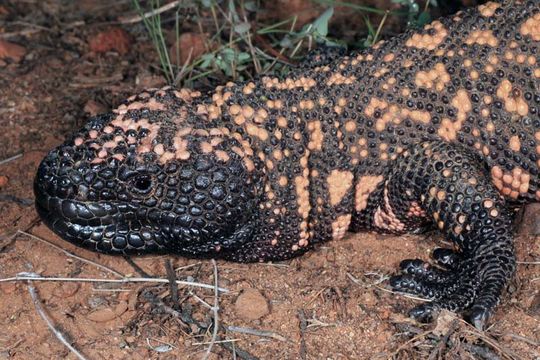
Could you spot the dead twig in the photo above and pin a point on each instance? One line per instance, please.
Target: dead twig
(255, 332)
(407, 343)
(186, 318)
(39, 308)
(303, 327)
(136, 267)
(367, 285)
(24, 32)
(126, 280)
(524, 339)
(11, 347)
(102, 267)
(183, 316)
(16, 200)
(491, 342)
(454, 325)
(171, 275)
(215, 311)
(316, 323)
(242, 354)
(480, 351)
(528, 262)
(137, 18)
(216, 342)
(11, 158)
(6, 240)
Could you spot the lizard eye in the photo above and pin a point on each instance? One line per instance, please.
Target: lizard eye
(142, 184)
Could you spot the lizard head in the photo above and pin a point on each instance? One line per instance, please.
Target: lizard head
(144, 179)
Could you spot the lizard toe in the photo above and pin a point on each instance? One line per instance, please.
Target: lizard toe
(423, 270)
(447, 258)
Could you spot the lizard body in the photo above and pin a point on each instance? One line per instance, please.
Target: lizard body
(434, 127)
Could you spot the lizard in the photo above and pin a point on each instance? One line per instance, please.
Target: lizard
(435, 128)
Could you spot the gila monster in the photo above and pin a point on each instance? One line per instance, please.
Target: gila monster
(437, 127)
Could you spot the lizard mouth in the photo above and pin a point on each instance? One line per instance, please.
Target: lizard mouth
(124, 228)
(101, 227)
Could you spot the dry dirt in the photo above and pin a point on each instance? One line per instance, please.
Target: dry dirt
(328, 304)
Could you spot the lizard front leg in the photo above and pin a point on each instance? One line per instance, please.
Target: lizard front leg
(449, 186)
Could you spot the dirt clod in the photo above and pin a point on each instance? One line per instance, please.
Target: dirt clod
(251, 305)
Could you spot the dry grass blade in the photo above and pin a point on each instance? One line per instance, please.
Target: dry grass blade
(102, 267)
(11, 158)
(367, 285)
(162, 9)
(50, 324)
(255, 332)
(215, 311)
(36, 277)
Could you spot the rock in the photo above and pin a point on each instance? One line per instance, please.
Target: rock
(444, 322)
(4, 180)
(112, 39)
(251, 305)
(94, 108)
(11, 51)
(103, 315)
(188, 48)
(121, 308)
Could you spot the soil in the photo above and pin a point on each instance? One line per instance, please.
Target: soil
(331, 303)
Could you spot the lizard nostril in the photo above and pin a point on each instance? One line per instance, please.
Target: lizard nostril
(66, 188)
(65, 182)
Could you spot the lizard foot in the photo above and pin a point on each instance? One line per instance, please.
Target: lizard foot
(457, 284)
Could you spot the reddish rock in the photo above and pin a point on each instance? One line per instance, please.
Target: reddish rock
(4, 180)
(103, 315)
(11, 51)
(113, 39)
